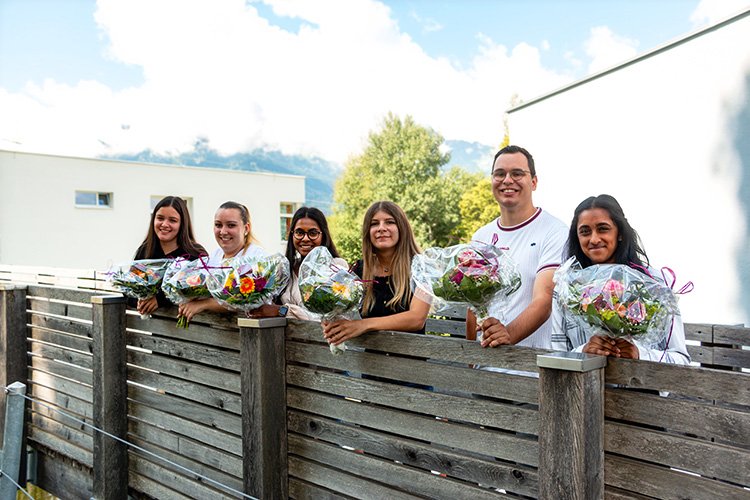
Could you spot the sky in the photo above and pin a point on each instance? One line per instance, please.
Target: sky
(86, 78)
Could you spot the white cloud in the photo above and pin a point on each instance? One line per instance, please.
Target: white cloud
(712, 11)
(428, 24)
(607, 49)
(219, 70)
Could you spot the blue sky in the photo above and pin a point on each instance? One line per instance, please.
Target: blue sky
(314, 77)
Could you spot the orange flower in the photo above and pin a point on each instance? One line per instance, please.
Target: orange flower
(247, 285)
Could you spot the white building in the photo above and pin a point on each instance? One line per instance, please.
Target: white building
(667, 134)
(88, 213)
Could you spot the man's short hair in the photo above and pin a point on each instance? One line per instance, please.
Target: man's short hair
(517, 149)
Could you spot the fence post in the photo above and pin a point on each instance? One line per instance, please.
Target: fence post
(10, 456)
(263, 383)
(110, 397)
(571, 425)
(13, 357)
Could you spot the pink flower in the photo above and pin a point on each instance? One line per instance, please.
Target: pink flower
(636, 312)
(457, 277)
(613, 288)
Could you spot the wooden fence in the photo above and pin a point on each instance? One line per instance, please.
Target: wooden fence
(263, 407)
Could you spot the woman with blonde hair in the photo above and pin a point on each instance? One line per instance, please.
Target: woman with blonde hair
(233, 233)
(388, 246)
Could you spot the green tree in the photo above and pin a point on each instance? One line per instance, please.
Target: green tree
(477, 207)
(402, 163)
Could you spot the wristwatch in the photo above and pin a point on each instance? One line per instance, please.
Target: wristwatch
(283, 310)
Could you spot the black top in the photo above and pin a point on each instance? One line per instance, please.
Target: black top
(382, 292)
(140, 254)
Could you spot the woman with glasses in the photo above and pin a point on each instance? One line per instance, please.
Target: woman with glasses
(388, 246)
(308, 230)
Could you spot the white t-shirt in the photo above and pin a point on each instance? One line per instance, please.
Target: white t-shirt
(217, 256)
(534, 245)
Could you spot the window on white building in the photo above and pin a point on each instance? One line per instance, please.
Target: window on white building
(287, 210)
(93, 199)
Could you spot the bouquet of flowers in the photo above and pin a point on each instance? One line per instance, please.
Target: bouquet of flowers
(616, 300)
(328, 291)
(476, 275)
(246, 283)
(139, 279)
(185, 281)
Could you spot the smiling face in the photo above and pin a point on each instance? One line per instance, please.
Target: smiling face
(167, 225)
(383, 231)
(230, 231)
(304, 227)
(512, 183)
(598, 235)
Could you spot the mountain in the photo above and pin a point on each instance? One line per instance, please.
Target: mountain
(320, 174)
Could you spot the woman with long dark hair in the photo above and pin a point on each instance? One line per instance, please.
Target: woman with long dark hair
(308, 230)
(601, 234)
(169, 235)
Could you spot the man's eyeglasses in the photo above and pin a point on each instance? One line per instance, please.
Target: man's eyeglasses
(516, 174)
(313, 234)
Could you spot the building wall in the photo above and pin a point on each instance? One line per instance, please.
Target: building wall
(669, 137)
(41, 225)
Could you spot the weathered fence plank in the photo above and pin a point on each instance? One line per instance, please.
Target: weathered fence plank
(198, 413)
(61, 445)
(571, 408)
(731, 387)
(349, 485)
(61, 354)
(145, 434)
(428, 346)
(699, 456)
(476, 411)
(264, 436)
(80, 328)
(187, 487)
(62, 476)
(453, 463)
(206, 395)
(217, 438)
(191, 372)
(474, 439)
(209, 355)
(661, 482)
(693, 417)
(13, 358)
(448, 377)
(109, 383)
(397, 476)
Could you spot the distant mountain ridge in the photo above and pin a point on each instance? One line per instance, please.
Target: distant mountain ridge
(320, 175)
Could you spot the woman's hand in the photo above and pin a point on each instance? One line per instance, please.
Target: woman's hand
(266, 311)
(190, 309)
(606, 346)
(147, 306)
(494, 333)
(343, 330)
(627, 349)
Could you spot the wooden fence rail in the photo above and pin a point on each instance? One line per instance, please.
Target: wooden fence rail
(262, 407)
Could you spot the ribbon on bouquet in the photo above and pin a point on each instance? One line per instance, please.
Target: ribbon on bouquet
(686, 288)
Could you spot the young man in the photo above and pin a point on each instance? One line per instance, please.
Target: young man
(534, 240)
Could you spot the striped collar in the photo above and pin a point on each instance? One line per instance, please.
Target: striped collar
(522, 224)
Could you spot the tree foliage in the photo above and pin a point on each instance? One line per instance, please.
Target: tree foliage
(402, 163)
(477, 207)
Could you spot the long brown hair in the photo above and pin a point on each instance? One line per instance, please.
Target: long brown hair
(406, 248)
(185, 239)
